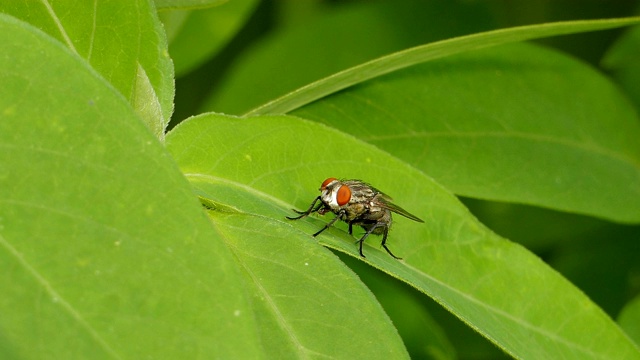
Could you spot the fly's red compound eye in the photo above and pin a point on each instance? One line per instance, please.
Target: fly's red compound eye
(326, 183)
(344, 195)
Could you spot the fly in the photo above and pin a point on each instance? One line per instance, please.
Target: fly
(356, 203)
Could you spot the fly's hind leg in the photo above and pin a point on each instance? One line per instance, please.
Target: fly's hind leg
(369, 231)
(384, 242)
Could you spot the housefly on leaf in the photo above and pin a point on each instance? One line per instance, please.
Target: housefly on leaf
(356, 203)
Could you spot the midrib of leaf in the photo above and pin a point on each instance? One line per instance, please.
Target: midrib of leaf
(56, 20)
(279, 316)
(58, 298)
(513, 135)
(244, 187)
(423, 53)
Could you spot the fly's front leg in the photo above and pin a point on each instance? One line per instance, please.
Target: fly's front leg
(310, 210)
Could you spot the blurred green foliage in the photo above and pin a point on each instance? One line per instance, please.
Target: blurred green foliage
(105, 251)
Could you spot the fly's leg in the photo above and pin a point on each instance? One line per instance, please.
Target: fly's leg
(384, 238)
(361, 241)
(328, 225)
(310, 210)
(384, 242)
(350, 228)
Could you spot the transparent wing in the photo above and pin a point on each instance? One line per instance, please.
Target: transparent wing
(385, 202)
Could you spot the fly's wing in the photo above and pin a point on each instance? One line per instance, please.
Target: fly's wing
(385, 202)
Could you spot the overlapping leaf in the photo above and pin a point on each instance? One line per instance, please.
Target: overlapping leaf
(104, 251)
(122, 40)
(516, 124)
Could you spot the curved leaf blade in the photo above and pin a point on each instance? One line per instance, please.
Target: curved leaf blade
(495, 286)
(103, 249)
(420, 54)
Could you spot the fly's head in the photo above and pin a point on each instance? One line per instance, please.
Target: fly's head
(335, 195)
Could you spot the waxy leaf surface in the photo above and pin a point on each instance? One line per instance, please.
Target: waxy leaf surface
(104, 251)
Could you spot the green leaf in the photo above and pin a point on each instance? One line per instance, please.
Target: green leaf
(124, 41)
(263, 166)
(104, 251)
(307, 303)
(629, 319)
(335, 39)
(196, 35)
(516, 123)
(420, 54)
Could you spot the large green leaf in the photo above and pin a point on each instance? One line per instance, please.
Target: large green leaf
(123, 40)
(104, 251)
(516, 123)
(263, 166)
